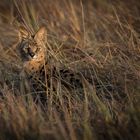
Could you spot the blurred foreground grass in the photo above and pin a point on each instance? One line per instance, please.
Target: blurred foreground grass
(101, 41)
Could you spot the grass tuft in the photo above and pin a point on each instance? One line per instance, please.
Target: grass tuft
(95, 42)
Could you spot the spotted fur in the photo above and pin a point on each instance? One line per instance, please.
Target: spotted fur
(33, 53)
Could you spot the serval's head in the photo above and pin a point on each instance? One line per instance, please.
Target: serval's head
(32, 49)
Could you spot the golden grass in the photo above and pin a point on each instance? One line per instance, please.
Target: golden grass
(100, 41)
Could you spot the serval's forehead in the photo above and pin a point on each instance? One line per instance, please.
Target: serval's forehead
(29, 41)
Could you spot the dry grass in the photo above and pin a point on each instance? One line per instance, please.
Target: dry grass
(100, 41)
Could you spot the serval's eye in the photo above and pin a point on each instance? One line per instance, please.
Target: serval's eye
(25, 46)
(25, 49)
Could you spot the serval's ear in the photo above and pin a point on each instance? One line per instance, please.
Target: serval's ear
(40, 36)
(23, 33)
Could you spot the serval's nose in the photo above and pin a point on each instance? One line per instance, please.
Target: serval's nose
(32, 54)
